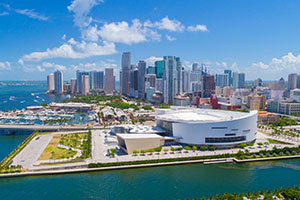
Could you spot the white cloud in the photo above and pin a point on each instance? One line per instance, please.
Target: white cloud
(151, 60)
(101, 65)
(286, 64)
(166, 24)
(198, 27)
(32, 14)
(81, 9)
(170, 38)
(4, 13)
(45, 66)
(5, 66)
(73, 49)
(27, 12)
(122, 32)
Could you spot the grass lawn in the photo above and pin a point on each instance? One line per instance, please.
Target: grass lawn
(53, 152)
(271, 141)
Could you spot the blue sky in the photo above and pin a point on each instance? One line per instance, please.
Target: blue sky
(260, 38)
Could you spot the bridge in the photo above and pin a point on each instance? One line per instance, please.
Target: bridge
(11, 129)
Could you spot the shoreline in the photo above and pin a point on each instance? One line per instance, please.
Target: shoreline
(86, 169)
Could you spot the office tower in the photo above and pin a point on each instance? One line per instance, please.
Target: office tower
(186, 86)
(126, 62)
(292, 81)
(159, 84)
(96, 80)
(227, 91)
(134, 82)
(85, 84)
(151, 70)
(58, 82)
(150, 80)
(141, 79)
(208, 85)
(229, 72)
(241, 80)
(222, 80)
(172, 78)
(109, 81)
(298, 81)
(195, 67)
(50, 82)
(238, 80)
(73, 85)
(280, 84)
(258, 82)
(79, 75)
(159, 68)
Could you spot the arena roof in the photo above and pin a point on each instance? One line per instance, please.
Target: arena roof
(196, 115)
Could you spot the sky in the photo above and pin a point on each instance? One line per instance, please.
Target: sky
(258, 37)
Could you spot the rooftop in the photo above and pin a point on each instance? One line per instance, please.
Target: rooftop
(140, 136)
(196, 115)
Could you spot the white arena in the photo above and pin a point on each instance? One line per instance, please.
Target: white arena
(197, 127)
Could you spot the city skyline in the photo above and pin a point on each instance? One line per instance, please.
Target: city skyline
(91, 35)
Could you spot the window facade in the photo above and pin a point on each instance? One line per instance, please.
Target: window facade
(225, 139)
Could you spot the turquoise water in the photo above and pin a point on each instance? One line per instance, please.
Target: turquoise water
(171, 182)
(9, 143)
(20, 94)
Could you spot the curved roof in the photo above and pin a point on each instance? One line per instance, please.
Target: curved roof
(196, 115)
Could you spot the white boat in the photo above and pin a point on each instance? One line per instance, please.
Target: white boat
(12, 98)
(35, 100)
(32, 94)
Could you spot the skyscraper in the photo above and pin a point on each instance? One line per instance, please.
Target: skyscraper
(159, 68)
(172, 78)
(195, 67)
(126, 62)
(96, 79)
(79, 75)
(85, 83)
(241, 80)
(222, 80)
(238, 80)
(58, 82)
(141, 79)
(186, 82)
(50, 82)
(73, 85)
(109, 81)
(229, 72)
(292, 81)
(208, 85)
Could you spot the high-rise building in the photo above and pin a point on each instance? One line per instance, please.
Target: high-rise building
(280, 84)
(186, 82)
(238, 80)
(79, 75)
(172, 78)
(58, 82)
(222, 80)
(50, 82)
(133, 91)
(195, 67)
(73, 85)
(126, 62)
(229, 72)
(96, 80)
(151, 70)
(208, 85)
(150, 80)
(85, 84)
(292, 81)
(298, 81)
(141, 79)
(109, 81)
(241, 80)
(258, 82)
(159, 68)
